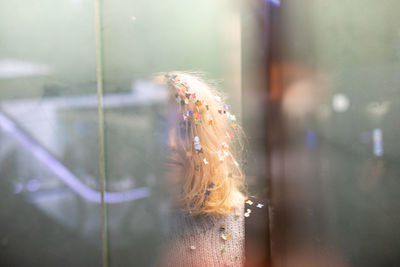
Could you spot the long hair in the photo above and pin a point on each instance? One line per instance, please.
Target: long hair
(207, 139)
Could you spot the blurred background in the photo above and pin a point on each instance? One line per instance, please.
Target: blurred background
(315, 85)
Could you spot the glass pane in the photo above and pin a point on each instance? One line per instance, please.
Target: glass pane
(49, 145)
(142, 38)
(335, 159)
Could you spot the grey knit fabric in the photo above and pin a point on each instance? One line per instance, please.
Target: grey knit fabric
(198, 240)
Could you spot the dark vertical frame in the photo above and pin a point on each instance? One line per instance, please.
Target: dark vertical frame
(255, 103)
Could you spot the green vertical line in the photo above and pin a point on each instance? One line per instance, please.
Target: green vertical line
(100, 111)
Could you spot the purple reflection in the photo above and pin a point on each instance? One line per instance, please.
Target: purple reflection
(378, 143)
(64, 174)
(18, 188)
(275, 2)
(33, 185)
(46, 195)
(311, 139)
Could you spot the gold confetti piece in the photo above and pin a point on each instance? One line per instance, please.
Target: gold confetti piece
(249, 202)
(234, 125)
(205, 161)
(226, 237)
(192, 247)
(246, 214)
(248, 211)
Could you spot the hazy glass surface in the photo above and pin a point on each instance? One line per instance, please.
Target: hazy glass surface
(49, 122)
(49, 146)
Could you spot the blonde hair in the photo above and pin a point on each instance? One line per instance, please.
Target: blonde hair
(213, 179)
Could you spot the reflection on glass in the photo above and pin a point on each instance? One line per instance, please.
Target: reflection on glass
(333, 146)
(48, 135)
(50, 140)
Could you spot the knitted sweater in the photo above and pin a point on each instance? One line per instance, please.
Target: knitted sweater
(205, 240)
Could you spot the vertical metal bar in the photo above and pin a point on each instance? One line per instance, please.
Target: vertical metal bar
(99, 77)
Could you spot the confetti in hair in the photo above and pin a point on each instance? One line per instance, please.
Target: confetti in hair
(206, 147)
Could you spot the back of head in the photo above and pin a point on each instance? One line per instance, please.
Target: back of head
(205, 132)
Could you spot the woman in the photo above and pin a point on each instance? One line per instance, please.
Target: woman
(206, 181)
